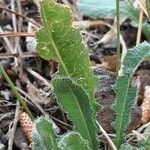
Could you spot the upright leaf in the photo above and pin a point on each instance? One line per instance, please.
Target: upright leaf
(57, 39)
(125, 92)
(44, 137)
(76, 103)
(73, 141)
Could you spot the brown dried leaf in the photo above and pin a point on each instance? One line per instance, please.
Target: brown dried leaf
(110, 62)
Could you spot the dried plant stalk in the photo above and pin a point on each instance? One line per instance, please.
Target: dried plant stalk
(26, 124)
(146, 106)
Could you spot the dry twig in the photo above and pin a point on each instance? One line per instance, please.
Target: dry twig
(28, 19)
(13, 129)
(107, 137)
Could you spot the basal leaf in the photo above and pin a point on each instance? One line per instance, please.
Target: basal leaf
(125, 92)
(57, 39)
(44, 137)
(76, 103)
(73, 141)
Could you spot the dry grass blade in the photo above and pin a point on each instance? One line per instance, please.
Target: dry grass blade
(28, 19)
(18, 95)
(13, 129)
(112, 145)
(24, 55)
(9, 45)
(139, 28)
(142, 5)
(15, 34)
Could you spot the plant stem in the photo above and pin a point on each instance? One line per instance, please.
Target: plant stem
(18, 95)
(118, 35)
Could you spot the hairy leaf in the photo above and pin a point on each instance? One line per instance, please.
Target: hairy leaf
(76, 103)
(134, 57)
(37, 141)
(43, 135)
(57, 39)
(73, 141)
(125, 92)
(126, 146)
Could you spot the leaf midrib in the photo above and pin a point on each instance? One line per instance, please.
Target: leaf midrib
(52, 137)
(82, 114)
(122, 114)
(54, 45)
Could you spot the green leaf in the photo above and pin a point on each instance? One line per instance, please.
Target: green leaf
(133, 14)
(125, 92)
(73, 141)
(134, 57)
(126, 146)
(20, 99)
(44, 137)
(148, 7)
(97, 8)
(146, 30)
(76, 103)
(57, 39)
(37, 141)
(145, 143)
